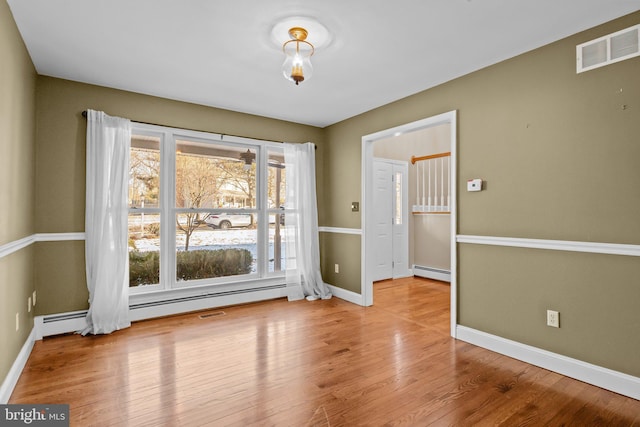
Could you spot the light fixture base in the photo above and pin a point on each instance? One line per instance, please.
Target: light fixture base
(298, 33)
(279, 33)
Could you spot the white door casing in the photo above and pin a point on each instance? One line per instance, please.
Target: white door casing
(368, 233)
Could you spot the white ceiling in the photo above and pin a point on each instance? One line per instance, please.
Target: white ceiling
(220, 53)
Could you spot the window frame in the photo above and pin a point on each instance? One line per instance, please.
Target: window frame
(167, 209)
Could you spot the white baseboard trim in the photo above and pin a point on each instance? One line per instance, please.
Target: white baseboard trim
(346, 295)
(403, 275)
(615, 381)
(12, 377)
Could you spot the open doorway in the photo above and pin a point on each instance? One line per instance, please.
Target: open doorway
(369, 238)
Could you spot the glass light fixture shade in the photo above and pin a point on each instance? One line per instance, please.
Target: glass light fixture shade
(297, 64)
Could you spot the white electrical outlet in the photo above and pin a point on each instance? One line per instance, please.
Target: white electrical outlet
(337, 268)
(34, 298)
(17, 322)
(553, 318)
(29, 305)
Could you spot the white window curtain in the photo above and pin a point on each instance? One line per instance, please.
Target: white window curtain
(303, 275)
(106, 252)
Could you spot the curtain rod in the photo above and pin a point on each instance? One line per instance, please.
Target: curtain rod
(84, 114)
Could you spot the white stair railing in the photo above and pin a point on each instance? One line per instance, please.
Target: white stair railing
(433, 183)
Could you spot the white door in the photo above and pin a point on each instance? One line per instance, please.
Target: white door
(391, 219)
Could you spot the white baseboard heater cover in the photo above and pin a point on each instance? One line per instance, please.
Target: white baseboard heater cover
(55, 324)
(432, 273)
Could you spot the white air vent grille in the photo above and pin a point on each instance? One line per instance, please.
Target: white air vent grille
(606, 50)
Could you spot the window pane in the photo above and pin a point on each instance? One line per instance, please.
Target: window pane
(144, 249)
(277, 243)
(212, 175)
(277, 180)
(144, 171)
(398, 201)
(276, 198)
(210, 247)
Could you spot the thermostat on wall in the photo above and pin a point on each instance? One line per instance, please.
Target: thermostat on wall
(474, 184)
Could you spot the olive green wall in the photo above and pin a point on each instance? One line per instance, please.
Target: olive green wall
(340, 249)
(559, 154)
(60, 157)
(507, 291)
(17, 124)
(60, 277)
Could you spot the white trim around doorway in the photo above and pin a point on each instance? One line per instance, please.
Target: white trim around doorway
(367, 258)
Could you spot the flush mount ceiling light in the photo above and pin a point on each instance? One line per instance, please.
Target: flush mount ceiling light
(291, 34)
(297, 65)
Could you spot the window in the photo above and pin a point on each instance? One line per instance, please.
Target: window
(204, 209)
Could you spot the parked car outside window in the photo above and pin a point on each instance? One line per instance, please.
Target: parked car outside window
(226, 221)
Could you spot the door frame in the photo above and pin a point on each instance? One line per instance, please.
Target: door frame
(367, 252)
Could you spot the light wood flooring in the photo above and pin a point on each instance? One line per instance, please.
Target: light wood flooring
(320, 363)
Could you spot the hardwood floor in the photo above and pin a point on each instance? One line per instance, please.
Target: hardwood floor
(320, 363)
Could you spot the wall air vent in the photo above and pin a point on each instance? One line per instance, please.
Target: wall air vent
(606, 50)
